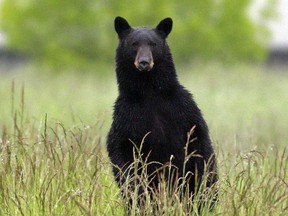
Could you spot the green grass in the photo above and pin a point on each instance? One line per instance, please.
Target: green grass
(52, 139)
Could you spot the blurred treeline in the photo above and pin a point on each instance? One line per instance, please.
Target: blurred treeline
(72, 33)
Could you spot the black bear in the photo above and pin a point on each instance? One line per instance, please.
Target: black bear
(152, 103)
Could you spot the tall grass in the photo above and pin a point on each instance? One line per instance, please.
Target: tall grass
(53, 160)
(53, 170)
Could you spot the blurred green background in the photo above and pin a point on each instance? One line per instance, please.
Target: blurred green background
(68, 49)
(68, 34)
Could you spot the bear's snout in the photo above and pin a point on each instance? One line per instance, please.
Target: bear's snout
(144, 59)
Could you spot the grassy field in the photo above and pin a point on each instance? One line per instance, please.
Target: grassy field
(52, 141)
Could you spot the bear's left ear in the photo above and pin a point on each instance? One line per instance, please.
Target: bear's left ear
(165, 26)
(121, 25)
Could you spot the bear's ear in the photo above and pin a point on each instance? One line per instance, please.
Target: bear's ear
(121, 25)
(165, 26)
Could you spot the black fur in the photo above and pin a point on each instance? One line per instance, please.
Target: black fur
(155, 102)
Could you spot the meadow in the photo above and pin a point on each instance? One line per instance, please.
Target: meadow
(53, 129)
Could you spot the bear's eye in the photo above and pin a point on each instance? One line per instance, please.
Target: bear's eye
(135, 43)
(152, 44)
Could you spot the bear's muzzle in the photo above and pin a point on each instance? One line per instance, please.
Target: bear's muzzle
(144, 59)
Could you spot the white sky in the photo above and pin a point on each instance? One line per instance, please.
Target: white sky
(279, 26)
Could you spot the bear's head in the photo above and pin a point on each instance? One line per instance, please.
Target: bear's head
(142, 47)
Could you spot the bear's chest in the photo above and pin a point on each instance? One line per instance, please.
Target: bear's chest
(159, 119)
(159, 128)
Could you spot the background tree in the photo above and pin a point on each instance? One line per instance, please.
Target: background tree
(77, 33)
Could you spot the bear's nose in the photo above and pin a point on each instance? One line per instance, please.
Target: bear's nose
(144, 64)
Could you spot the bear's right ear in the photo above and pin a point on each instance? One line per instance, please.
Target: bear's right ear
(121, 26)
